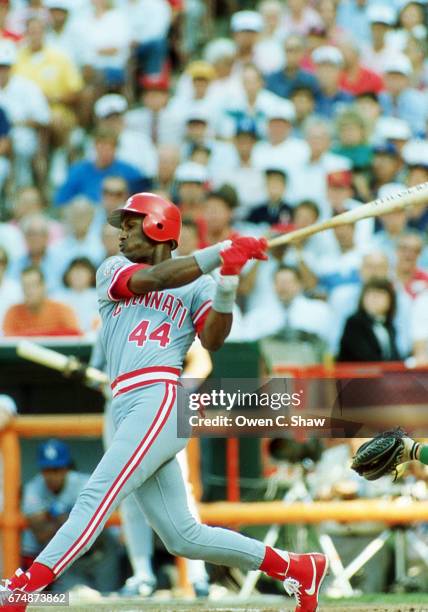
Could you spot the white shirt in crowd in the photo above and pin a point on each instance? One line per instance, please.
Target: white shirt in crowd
(149, 19)
(309, 181)
(111, 30)
(23, 100)
(302, 314)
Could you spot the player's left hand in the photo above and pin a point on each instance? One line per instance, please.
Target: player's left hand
(242, 249)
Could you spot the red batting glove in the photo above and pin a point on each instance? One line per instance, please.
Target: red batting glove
(243, 248)
(254, 247)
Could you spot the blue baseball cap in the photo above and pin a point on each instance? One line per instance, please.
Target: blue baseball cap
(246, 125)
(53, 454)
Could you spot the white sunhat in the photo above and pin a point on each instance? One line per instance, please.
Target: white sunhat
(415, 153)
(381, 13)
(327, 54)
(250, 21)
(282, 109)
(191, 172)
(110, 104)
(398, 63)
(392, 128)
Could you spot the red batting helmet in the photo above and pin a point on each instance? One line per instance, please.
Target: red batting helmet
(161, 218)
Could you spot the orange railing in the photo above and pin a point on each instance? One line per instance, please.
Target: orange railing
(218, 513)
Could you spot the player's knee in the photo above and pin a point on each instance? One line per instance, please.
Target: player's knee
(181, 548)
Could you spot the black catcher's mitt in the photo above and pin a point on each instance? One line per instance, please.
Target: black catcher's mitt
(383, 454)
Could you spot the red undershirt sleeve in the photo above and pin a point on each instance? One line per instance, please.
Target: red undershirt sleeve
(118, 289)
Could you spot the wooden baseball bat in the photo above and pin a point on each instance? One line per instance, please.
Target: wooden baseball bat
(409, 197)
(57, 361)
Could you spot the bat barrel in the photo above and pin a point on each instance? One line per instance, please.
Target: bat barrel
(414, 196)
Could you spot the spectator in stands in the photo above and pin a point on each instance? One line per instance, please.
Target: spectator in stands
(269, 50)
(38, 252)
(356, 79)
(10, 289)
(414, 154)
(368, 106)
(55, 74)
(133, 148)
(150, 21)
(80, 293)
(80, 240)
(327, 10)
(114, 190)
(393, 130)
(411, 22)
(353, 139)
(189, 237)
(386, 165)
(393, 225)
(340, 266)
(412, 278)
(292, 76)
(110, 240)
(399, 99)
(38, 315)
(19, 15)
(29, 114)
(275, 210)
(191, 179)
(330, 98)
(47, 501)
(369, 334)
(303, 99)
(85, 177)
(168, 161)
(198, 134)
(300, 18)
(29, 202)
(246, 27)
(382, 18)
(108, 35)
(66, 33)
(344, 299)
(244, 176)
(352, 17)
(250, 102)
(281, 147)
(417, 51)
(309, 181)
(194, 86)
(291, 310)
(156, 118)
(218, 212)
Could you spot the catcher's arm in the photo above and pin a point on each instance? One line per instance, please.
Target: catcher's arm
(384, 453)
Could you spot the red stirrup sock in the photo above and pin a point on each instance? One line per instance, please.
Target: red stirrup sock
(275, 563)
(40, 576)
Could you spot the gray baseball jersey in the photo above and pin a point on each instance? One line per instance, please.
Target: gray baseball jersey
(145, 337)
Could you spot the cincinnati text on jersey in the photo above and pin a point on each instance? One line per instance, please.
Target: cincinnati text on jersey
(161, 301)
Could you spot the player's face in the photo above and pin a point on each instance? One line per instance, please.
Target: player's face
(133, 243)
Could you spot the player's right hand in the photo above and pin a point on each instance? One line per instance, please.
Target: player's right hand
(242, 249)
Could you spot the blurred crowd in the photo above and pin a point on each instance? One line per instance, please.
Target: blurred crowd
(255, 119)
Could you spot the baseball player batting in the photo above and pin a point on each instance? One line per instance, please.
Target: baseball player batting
(151, 307)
